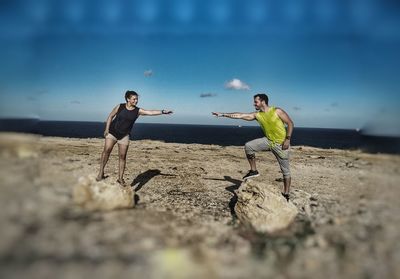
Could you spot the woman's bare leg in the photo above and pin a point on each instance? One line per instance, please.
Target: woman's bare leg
(122, 150)
(108, 147)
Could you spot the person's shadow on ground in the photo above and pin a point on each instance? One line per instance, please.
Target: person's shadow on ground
(144, 177)
(231, 188)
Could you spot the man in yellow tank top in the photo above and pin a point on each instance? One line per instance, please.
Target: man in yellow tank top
(277, 127)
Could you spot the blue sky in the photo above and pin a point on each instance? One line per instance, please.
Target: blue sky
(328, 63)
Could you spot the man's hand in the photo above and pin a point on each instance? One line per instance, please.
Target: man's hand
(217, 114)
(286, 144)
(105, 133)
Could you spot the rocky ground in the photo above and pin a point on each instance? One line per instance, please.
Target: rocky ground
(184, 224)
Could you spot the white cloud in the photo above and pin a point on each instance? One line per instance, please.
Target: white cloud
(75, 102)
(148, 73)
(236, 84)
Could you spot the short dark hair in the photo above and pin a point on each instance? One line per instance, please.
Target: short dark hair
(129, 94)
(263, 97)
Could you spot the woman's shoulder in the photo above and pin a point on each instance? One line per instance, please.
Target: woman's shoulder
(120, 107)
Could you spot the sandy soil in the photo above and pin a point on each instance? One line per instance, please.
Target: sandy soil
(183, 225)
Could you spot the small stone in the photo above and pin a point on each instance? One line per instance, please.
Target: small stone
(321, 242)
(350, 165)
(316, 157)
(313, 203)
(310, 242)
(362, 234)
(307, 210)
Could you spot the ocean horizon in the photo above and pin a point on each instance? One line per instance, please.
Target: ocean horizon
(224, 135)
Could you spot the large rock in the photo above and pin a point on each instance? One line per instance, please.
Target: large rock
(19, 145)
(263, 208)
(102, 195)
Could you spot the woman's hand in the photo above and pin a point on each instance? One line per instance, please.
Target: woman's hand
(217, 114)
(164, 111)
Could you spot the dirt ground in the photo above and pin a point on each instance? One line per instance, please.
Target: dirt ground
(183, 224)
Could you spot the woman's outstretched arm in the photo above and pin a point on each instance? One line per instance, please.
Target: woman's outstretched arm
(146, 112)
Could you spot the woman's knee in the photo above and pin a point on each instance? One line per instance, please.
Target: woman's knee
(107, 151)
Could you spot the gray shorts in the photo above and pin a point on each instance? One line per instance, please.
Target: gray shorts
(263, 144)
(123, 141)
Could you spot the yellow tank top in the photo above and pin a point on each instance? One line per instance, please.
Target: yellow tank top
(271, 124)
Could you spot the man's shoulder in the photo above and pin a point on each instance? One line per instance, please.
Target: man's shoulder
(278, 109)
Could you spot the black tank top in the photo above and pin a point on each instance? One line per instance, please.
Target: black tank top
(123, 121)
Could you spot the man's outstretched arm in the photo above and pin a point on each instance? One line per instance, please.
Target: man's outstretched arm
(236, 115)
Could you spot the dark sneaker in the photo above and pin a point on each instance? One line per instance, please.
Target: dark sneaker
(286, 196)
(121, 182)
(251, 174)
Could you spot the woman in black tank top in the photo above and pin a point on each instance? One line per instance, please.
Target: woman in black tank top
(123, 122)
(118, 127)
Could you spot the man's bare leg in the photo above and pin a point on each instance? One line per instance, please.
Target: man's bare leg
(286, 187)
(108, 146)
(286, 184)
(251, 158)
(252, 162)
(122, 150)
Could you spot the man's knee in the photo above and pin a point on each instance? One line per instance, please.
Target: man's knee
(250, 156)
(285, 167)
(248, 149)
(285, 172)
